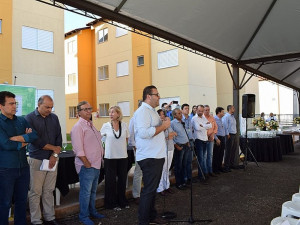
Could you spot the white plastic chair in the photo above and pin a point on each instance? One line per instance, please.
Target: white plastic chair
(280, 220)
(296, 197)
(290, 208)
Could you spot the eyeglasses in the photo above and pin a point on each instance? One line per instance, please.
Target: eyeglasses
(157, 94)
(86, 109)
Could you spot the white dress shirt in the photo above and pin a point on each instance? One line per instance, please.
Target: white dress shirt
(200, 126)
(146, 120)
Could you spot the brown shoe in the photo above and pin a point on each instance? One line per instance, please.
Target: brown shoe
(212, 175)
(169, 190)
(137, 200)
(158, 220)
(163, 193)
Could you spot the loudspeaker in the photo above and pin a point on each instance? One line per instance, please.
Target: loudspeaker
(248, 110)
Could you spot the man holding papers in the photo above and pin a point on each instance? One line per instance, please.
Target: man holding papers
(47, 146)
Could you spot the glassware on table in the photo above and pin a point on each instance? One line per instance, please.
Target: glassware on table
(64, 145)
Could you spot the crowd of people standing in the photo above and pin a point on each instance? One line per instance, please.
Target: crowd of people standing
(160, 139)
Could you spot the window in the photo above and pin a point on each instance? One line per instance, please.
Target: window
(72, 112)
(72, 47)
(72, 80)
(36, 39)
(122, 69)
(102, 35)
(103, 109)
(103, 73)
(167, 59)
(125, 107)
(0, 26)
(140, 60)
(121, 31)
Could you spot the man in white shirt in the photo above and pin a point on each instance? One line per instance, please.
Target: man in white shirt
(271, 117)
(201, 125)
(150, 152)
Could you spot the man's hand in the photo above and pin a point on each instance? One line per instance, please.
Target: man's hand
(24, 144)
(56, 149)
(228, 136)
(28, 131)
(166, 123)
(171, 135)
(52, 161)
(218, 142)
(178, 148)
(87, 164)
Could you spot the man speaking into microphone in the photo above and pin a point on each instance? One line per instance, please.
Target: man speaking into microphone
(181, 149)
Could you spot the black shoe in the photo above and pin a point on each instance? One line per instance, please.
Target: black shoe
(212, 175)
(235, 167)
(51, 222)
(180, 187)
(158, 220)
(194, 180)
(188, 182)
(227, 169)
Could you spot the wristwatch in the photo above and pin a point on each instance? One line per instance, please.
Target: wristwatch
(55, 155)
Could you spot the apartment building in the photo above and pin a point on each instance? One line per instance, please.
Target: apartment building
(125, 62)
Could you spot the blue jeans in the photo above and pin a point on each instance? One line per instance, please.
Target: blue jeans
(201, 154)
(180, 162)
(14, 184)
(88, 178)
(188, 170)
(210, 147)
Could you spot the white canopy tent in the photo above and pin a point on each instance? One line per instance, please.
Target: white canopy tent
(261, 37)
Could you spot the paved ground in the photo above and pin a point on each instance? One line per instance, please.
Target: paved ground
(251, 197)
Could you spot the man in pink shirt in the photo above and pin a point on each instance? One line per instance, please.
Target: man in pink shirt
(86, 141)
(211, 135)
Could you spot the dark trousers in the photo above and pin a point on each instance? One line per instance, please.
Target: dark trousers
(180, 163)
(152, 170)
(115, 182)
(218, 154)
(230, 151)
(14, 184)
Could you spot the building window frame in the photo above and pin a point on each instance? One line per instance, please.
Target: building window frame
(125, 107)
(0, 26)
(72, 80)
(37, 39)
(140, 60)
(72, 112)
(167, 59)
(103, 72)
(122, 68)
(102, 35)
(103, 109)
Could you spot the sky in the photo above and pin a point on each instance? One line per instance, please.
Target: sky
(74, 21)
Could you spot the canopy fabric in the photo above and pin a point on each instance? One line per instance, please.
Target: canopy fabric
(262, 37)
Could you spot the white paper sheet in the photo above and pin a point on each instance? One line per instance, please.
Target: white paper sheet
(45, 166)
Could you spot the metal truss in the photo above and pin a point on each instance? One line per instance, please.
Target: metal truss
(240, 63)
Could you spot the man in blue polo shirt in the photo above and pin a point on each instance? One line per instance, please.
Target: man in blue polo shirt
(15, 133)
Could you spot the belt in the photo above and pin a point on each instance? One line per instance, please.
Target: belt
(180, 145)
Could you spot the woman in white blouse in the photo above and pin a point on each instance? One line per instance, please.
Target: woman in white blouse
(115, 160)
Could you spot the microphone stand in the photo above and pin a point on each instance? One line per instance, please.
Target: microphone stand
(167, 215)
(191, 218)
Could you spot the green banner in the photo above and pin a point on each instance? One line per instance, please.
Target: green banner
(25, 97)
